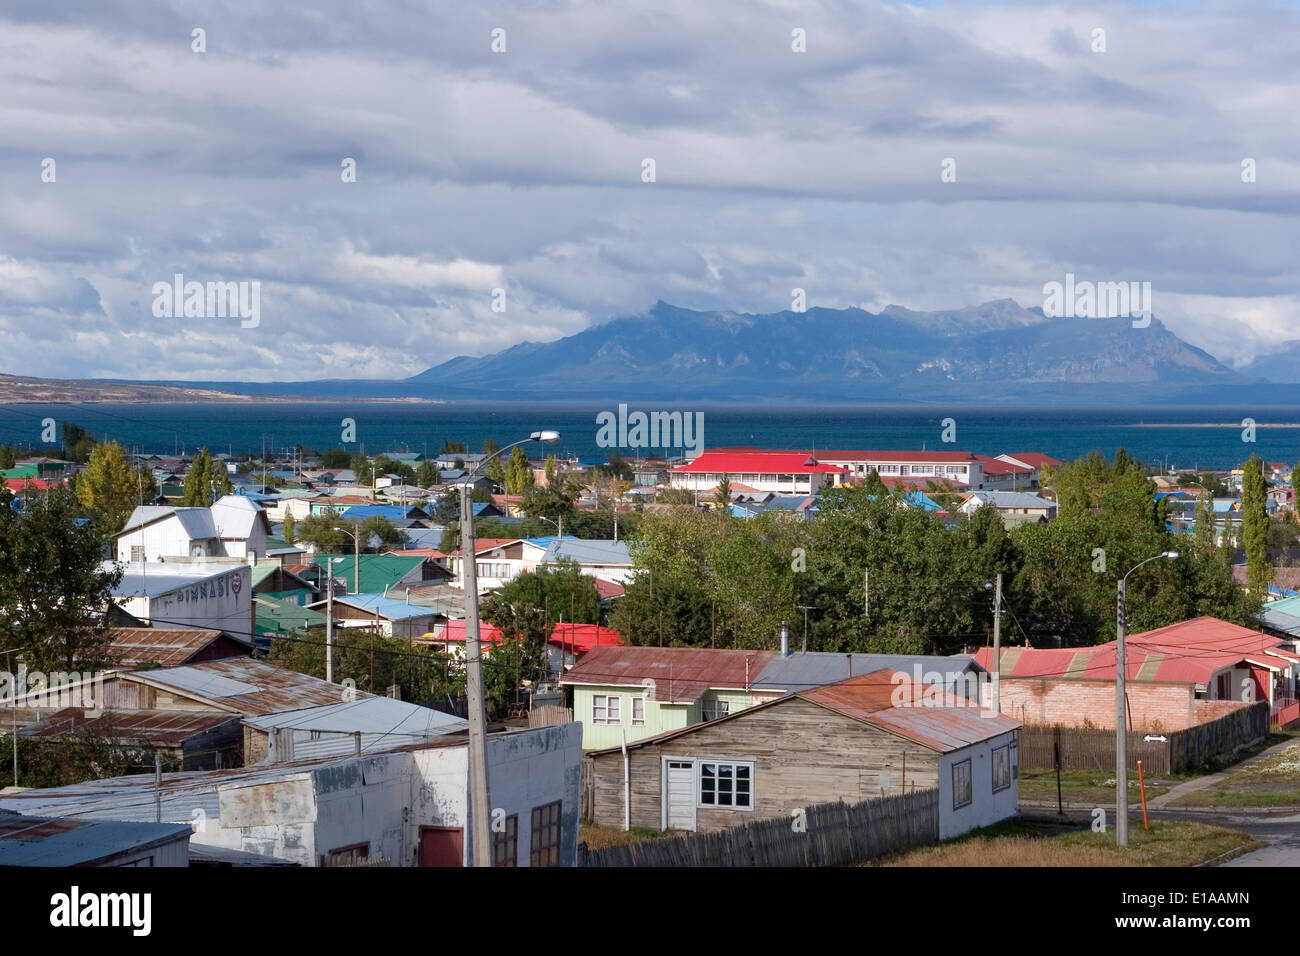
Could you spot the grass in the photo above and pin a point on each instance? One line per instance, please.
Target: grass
(598, 837)
(1029, 842)
(1271, 782)
(1093, 788)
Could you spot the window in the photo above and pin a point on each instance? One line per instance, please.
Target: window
(315, 735)
(1001, 768)
(505, 842)
(638, 711)
(137, 552)
(546, 835)
(727, 784)
(713, 709)
(606, 709)
(961, 796)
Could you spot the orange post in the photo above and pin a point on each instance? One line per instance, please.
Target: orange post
(1142, 787)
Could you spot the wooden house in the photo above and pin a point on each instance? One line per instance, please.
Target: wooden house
(873, 735)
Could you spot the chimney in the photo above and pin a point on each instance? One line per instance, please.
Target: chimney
(785, 639)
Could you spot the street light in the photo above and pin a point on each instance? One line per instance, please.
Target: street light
(1121, 723)
(355, 535)
(480, 811)
(329, 618)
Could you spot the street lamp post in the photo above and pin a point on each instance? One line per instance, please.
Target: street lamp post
(329, 617)
(480, 810)
(1121, 721)
(355, 535)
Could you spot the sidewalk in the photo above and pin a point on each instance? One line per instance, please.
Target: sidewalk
(1210, 779)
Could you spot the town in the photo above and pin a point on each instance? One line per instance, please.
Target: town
(744, 656)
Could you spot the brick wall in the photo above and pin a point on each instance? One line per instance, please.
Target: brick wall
(1083, 703)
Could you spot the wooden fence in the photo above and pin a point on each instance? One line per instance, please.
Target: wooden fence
(828, 834)
(1168, 752)
(548, 715)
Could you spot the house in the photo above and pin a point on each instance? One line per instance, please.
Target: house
(1176, 676)
(851, 741)
(361, 725)
(497, 560)
(309, 811)
(957, 675)
(569, 643)
(374, 573)
(383, 615)
(59, 842)
(166, 595)
(1015, 507)
(1282, 618)
(642, 691)
(790, 473)
(272, 579)
(190, 739)
(954, 466)
(234, 527)
(172, 647)
(601, 558)
(1033, 460)
(275, 617)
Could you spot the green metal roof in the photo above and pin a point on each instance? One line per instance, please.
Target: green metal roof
(378, 571)
(283, 617)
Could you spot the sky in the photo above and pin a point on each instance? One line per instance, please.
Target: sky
(523, 170)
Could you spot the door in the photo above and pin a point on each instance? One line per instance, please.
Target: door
(679, 789)
(442, 846)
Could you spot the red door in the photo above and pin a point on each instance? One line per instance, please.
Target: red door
(442, 846)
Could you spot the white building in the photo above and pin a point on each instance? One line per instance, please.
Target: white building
(783, 473)
(407, 807)
(234, 527)
(179, 595)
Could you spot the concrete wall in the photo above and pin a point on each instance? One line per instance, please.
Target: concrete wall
(382, 800)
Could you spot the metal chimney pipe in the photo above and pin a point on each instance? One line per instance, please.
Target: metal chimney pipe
(785, 638)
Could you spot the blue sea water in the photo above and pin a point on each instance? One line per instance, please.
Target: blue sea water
(1185, 436)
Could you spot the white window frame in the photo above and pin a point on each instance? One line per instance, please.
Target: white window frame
(970, 784)
(638, 703)
(612, 709)
(714, 706)
(733, 763)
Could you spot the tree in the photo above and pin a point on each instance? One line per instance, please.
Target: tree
(363, 468)
(1205, 534)
(452, 447)
(197, 491)
(289, 522)
(336, 458)
(53, 589)
(722, 497)
(383, 529)
(320, 532)
(1254, 527)
(427, 474)
(373, 661)
(110, 487)
(77, 442)
(7, 458)
(519, 472)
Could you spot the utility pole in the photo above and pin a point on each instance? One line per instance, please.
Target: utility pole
(1121, 706)
(356, 557)
(805, 608)
(480, 812)
(997, 642)
(1121, 728)
(329, 619)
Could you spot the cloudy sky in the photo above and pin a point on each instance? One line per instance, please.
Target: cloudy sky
(522, 170)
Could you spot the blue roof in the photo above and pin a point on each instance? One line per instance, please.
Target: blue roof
(362, 512)
(918, 499)
(479, 506)
(383, 606)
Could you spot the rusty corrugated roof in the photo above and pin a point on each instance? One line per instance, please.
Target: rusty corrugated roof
(245, 686)
(169, 648)
(166, 727)
(678, 675)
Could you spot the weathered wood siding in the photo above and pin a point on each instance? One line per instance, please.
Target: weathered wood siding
(803, 754)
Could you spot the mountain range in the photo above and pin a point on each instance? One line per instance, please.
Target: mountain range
(984, 352)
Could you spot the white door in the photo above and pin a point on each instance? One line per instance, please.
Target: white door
(680, 787)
